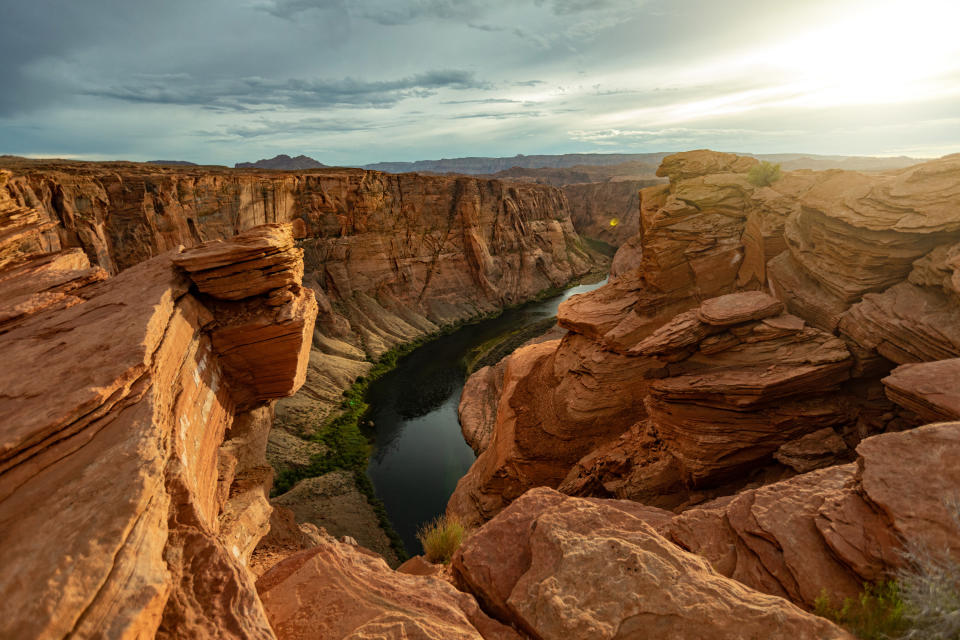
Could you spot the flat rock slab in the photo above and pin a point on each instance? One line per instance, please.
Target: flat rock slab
(930, 389)
(740, 307)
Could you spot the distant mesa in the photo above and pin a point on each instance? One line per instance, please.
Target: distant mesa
(282, 162)
(178, 163)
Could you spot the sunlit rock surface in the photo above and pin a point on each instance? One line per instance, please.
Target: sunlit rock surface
(132, 454)
(671, 388)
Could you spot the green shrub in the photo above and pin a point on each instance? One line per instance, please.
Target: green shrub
(764, 174)
(441, 537)
(878, 614)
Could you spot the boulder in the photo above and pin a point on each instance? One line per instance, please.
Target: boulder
(833, 528)
(929, 389)
(813, 451)
(561, 567)
(336, 591)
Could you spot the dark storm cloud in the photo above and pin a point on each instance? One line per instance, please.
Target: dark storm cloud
(245, 94)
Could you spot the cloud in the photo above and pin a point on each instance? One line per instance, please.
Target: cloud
(567, 7)
(393, 13)
(483, 101)
(268, 128)
(503, 115)
(245, 94)
(385, 12)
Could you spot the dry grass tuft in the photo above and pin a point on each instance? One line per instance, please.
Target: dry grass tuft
(441, 537)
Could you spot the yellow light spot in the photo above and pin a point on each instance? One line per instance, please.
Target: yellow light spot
(614, 222)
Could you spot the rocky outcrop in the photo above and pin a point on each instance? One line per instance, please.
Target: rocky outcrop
(835, 528)
(561, 567)
(132, 463)
(671, 389)
(338, 590)
(333, 502)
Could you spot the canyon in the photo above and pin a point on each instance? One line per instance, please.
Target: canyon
(759, 406)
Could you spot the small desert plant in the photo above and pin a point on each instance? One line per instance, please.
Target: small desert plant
(877, 614)
(441, 537)
(930, 587)
(764, 174)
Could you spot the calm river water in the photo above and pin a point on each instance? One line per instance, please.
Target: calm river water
(419, 452)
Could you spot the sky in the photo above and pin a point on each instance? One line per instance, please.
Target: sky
(351, 82)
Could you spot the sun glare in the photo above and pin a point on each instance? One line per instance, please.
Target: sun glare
(883, 53)
(893, 52)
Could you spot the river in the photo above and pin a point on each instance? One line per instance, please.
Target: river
(419, 453)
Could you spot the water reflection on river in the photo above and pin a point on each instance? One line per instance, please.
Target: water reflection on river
(419, 452)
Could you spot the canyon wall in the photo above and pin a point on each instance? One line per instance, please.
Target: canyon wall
(133, 477)
(743, 337)
(390, 258)
(133, 465)
(607, 211)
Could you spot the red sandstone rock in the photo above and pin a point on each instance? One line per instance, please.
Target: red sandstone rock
(390, 258)
(335, 591)
(418, 566)
(665, 403)
(564, 568)
(249, 264)
(719, 400)
(906, 323)
(117, 488)
(690, 164)
(478, 402)
(833, 528)
(739, 307)
(813, 451)
(930, 389)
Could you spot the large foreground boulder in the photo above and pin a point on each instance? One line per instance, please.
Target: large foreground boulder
(563, 568)
(338, 590)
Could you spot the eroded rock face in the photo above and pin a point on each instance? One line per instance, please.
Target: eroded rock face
(714, 399)
(337, 591)
(682, 377)
(608, 211)
(390, 258)
(133, 495)
(333, 502)
(833, 528)
(561, 567)
(668, 381)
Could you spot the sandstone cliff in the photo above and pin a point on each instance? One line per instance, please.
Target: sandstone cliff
(136, 410)
(681, 380)
(390, 257)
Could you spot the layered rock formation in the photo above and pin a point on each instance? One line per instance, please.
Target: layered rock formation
(670, 389)
(836, 528)
(390, 257)
(134, 482)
